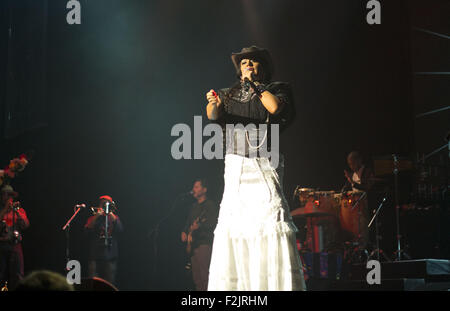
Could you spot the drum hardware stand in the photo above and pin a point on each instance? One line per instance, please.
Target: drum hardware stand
(357, 202)
(377, 251)
(153, 234)
(436, 151)
(358, 251)
(399, 252)
(310, 241)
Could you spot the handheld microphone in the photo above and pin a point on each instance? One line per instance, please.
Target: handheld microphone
(249, 84)
(186, 195)
(79, 207)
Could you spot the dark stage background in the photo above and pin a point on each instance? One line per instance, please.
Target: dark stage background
(97, 101)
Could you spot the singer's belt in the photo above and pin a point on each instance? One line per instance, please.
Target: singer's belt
(250, 142)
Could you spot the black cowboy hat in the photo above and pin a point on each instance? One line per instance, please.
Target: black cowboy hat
(260, 54)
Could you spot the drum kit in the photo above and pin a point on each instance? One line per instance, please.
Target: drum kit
(332, 219)
(339, 221)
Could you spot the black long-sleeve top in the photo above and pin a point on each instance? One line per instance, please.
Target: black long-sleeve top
(207, 212)
(242, 106)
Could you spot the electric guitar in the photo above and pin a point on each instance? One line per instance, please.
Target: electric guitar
(194, 226)
(196, 223)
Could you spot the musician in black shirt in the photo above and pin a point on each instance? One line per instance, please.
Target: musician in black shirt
(198, 233)
(361, 180)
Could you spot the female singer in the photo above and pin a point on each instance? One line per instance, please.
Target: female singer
(254, 242)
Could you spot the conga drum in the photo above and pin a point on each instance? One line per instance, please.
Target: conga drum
(327, 204)
(305, 195)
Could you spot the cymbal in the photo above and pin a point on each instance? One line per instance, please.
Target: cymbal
(302, 191)
(385, 165)
(323, 193)
(306, 189)
(389, 157)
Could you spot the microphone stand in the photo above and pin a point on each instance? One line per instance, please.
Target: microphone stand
(399, 250)
(155, 232)
(66, 229)
(377, 251)
(360, 250)
(359, 200)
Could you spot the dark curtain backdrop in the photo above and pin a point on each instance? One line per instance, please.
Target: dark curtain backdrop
(117, 84)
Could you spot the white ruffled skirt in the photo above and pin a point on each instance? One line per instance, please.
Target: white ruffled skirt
(254, 245)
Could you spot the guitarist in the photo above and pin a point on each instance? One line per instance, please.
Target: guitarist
(13, 220)
(198, 233)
